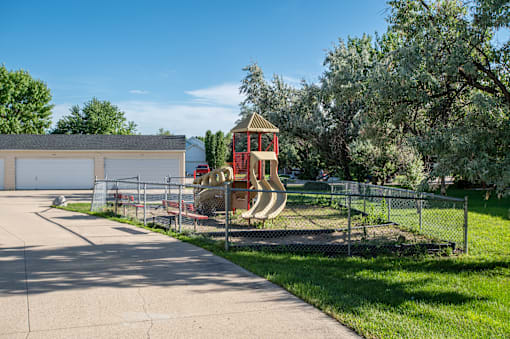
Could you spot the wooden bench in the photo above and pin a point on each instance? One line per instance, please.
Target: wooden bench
(188, 211)
(127, 200)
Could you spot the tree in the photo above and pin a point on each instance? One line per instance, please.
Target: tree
(442, 69)
(430, 96)
(293, 110)
(216, 148)
(221, 149)
(345, 98)
(163, 131)
(24, 103)
(96, 117)
(210, 148)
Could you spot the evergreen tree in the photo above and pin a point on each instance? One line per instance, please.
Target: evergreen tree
(221, 149)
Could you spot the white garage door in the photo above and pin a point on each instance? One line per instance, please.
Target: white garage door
(2, 174)
(149, 169)
(54, 173)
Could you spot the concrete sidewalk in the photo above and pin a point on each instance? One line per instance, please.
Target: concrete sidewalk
(68, 275)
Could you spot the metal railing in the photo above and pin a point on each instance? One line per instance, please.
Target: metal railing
(347, 217)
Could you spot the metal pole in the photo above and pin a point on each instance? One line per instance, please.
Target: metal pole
(331, 196)
(138, 177)
(420, 206)
(364, 200)
(466, 224)
(93, 194)
(167, 188)
(180, 207)
(349, 225)
(389, 209)
(116, 196)
(227, 214)
(145, 204)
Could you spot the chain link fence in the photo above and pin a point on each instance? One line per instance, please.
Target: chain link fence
(331, 218)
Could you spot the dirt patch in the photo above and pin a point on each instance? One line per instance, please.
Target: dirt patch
(370, 235)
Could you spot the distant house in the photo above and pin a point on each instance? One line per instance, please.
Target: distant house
(195, 154)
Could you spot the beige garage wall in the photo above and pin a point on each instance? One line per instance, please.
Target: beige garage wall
(98, 156)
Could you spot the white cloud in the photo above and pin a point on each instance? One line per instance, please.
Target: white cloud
(185, 119)
(59, 111)
(138, 91)
(223, 95)
(291, 80)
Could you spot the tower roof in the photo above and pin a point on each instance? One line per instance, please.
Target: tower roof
(255, 123)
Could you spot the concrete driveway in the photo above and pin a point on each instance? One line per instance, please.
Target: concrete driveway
(67, 275)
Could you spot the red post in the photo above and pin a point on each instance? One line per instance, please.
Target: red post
(234, 156)
(275, 143)
(248, 172)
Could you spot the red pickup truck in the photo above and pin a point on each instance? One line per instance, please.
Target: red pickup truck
(202, 169)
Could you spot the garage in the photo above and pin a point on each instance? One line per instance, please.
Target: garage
(54, 173)
(1, 174)
(73, 161)
(154, 170)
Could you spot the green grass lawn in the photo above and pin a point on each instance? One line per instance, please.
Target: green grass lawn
(403, 297)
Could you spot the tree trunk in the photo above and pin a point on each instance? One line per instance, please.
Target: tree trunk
(345, 159)
(443, 185)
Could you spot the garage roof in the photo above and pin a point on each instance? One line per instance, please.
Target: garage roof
(92, 142)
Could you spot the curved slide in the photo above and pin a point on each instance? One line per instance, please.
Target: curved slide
(269, 204)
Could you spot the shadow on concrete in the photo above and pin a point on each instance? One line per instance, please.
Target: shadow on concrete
(129, 230)
(144, 264)
(171, 264)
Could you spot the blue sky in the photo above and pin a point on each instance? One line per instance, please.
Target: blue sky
(175, 65)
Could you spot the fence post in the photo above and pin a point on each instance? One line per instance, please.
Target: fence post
(349, 225)
(331, 196)
(364, 200)
(420, 207)
(167, 188)
(93, 194)
(180, 207)
(466, 224)
(346, 191)
(227, 214)
(138, 178)
(144, 204)
(389, 209)
(116, 196)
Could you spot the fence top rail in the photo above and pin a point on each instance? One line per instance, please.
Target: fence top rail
(425, 197)
(420, 196)
(430, 195)
(127, 178)
(337, 183)
(163, 184)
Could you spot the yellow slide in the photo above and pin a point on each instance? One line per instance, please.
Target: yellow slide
(269, 204)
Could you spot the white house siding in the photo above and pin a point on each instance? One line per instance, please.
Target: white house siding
(195, 154)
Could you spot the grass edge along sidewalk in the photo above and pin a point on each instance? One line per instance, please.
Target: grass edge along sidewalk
(395, 297)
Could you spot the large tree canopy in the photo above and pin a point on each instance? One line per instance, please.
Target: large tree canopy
(431, 96)
(96, 117)
(24, 103)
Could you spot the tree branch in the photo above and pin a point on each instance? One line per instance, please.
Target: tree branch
(495, 79)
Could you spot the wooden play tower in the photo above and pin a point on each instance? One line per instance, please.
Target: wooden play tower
(253, 126)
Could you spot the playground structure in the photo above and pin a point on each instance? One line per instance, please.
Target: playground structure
(248, 171)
